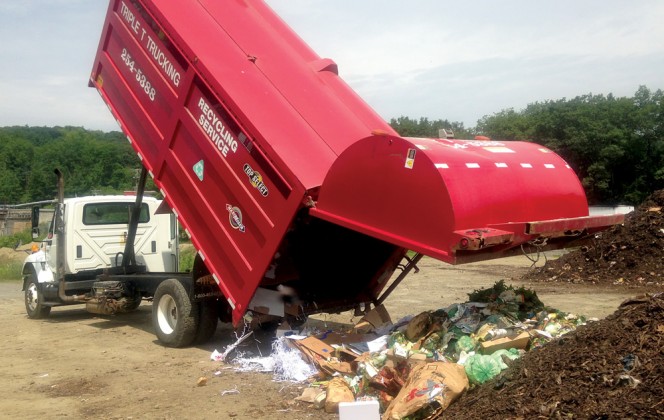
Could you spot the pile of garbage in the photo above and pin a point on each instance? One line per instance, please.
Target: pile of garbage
(609, 369)
(416, 367)
(631, 254)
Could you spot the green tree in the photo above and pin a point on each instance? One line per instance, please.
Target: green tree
(91, 161)
(423, 127)
(615, 145)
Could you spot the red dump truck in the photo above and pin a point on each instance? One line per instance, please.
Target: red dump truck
(298, 196)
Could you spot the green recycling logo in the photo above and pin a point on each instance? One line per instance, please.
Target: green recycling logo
(198, 169)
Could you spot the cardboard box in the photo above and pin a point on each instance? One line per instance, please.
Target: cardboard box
(376, 318)
(519, 341)
(365, 410)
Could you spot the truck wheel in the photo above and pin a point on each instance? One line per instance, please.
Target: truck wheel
(174, 317)
(208, 321)
(134, 302)
(34, 300)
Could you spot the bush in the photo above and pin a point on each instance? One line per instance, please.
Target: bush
(21, 238)
(187, 256)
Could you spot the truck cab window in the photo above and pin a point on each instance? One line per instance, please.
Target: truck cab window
(112, 213)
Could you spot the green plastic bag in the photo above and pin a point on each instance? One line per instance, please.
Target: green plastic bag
(464, 343)
(481, 368)
(510, 354)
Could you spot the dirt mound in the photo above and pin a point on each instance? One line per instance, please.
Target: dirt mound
(613, 368)
(630, 254)
(8, 255)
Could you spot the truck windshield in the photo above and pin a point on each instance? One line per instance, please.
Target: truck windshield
(112, 213)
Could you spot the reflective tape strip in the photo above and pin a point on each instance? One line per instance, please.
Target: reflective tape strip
(501, 165)
(526, 165)
(441, 165)
(549, 166)
(472, 165)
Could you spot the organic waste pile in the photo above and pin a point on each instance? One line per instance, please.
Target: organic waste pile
(417, 367)
(608, 369)
(631, 254)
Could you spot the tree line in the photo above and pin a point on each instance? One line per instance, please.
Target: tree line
(614, 144)
(92, 162)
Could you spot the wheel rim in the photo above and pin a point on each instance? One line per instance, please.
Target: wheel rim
(31, 297)
(167, 314)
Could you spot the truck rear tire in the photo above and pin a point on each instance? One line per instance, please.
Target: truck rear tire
(134, 302)
(34, 299)
(174, 317)
(209, 318)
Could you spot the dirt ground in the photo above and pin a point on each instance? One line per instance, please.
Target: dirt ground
(79, 365)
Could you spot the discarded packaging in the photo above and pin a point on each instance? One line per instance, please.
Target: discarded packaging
(432, 387)
(519, 341)
(285, 362)
(310, 394)
(373, 320)
(338, 391)
(359, 410)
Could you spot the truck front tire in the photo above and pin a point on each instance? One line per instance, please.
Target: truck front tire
(174, 317)
(34, 299)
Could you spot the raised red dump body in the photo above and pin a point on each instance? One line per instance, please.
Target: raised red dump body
(281, 174)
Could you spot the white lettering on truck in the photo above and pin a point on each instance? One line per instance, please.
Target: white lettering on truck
(150, 45)
(214, 127)
(163, 61)
(130, 18)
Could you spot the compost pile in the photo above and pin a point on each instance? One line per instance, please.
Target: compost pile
(630, 254)
(613, 368)
(445, 363)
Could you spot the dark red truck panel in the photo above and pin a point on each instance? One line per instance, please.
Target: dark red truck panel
(244, 128)
(199, 87)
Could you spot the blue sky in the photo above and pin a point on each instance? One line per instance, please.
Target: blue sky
(426, 58)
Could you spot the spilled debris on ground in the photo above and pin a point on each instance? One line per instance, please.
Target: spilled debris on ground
(417, 366)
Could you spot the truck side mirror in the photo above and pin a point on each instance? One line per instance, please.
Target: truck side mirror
(35, 222)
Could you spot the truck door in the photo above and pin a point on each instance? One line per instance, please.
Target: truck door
(166, 241)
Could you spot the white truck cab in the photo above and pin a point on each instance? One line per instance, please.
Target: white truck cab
(93, 232)
(95, 229)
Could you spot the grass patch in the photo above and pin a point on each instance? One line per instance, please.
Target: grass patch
(187, 255)
(10, 270)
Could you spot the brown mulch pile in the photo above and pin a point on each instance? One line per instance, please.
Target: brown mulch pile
(630, 254)
(608, 369)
